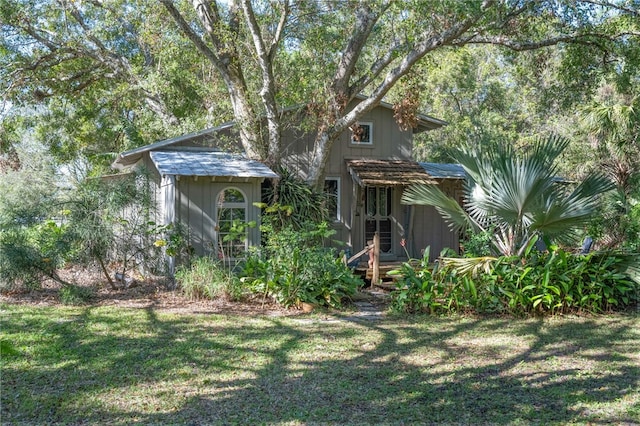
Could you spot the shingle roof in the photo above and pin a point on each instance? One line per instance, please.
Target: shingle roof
(444, 171)
(387, 172)
(208, 163)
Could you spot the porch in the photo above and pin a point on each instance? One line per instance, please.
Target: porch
(384, 281)
(374, 271)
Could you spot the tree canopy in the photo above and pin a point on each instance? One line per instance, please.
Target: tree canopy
(100, 77)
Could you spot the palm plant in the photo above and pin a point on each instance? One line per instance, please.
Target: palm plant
(613, 123)
(516, 194)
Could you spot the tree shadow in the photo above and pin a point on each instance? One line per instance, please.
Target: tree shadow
(315, 370)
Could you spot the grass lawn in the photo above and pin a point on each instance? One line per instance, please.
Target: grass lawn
(106, 365)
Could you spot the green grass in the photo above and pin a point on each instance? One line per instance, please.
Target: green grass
(89, 365)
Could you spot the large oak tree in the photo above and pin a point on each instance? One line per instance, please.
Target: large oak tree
(268, 54)
(367, 47)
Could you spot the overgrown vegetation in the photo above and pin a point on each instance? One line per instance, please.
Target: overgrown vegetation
(294, 267)
(107, 222)
(541, 283)
(296, 262)
(205, 278)
(515, 195)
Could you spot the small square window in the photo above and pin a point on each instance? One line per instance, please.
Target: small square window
(362, 134)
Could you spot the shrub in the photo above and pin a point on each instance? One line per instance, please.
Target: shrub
(208, 279)
(545, 283)
(293, 268)
(30, 253)
(75, 295)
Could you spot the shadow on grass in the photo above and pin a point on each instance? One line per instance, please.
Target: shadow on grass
(122, 366)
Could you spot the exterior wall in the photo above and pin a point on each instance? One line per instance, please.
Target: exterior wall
(429, 229)
(389, 142)
(196, 208)
(156, 187)
(195, 199)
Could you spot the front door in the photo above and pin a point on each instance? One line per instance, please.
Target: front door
(378, 217)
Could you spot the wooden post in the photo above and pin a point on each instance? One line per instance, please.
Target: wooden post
(375, 279)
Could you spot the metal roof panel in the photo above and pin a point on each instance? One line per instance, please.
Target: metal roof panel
(444, 170)
(208, 163)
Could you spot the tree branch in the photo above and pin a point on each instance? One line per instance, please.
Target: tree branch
(277, 37)
(365, 21)
(191, 34)
(584, 39)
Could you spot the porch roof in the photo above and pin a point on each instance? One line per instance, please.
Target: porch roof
(370, 172)
(192, 162)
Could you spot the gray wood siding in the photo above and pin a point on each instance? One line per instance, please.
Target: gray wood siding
(389, 142)
(196, 208)
(430, 229)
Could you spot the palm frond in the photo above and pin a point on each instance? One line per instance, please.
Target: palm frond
(630, 266)
(451, 211)
(469, 266)
(561, 214)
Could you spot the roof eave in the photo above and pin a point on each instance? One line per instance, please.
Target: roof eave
(131, 157)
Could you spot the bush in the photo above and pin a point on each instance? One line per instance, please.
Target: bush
(545, 283)
(75, 295)
(293, 268)
(208, 279)
(30, 253)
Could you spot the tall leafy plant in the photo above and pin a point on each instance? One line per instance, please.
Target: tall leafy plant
(292, 202)
(515, 193)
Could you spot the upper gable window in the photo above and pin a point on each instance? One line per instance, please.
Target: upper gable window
(362, 133)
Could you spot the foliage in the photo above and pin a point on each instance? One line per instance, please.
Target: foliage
(32, 246)
(612, 122)
(418, 289)
(114, 220)
(291, 202)
(516, 194)
(20, 263)
(123, 81)
(294, 267)
(545, 283)
(205, 278)
(173, 239)
(75, 295)
(30, 189)
(99, 220)
(478, 244)
(109, 76)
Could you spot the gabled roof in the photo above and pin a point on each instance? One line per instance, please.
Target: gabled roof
(128, 158)
(425, 122)
(131, 157)
(194, 162)
(387, 172)
(444, 171)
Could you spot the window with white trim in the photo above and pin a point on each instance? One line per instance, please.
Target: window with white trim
(231, 224)
(362, 133)
(332, 189)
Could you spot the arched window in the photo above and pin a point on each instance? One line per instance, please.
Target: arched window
(231, 224)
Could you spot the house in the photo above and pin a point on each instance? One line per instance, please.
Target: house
(206, 189)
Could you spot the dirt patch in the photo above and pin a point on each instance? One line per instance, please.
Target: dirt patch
(152, 292)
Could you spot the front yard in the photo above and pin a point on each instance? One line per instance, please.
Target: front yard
(115, 365)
